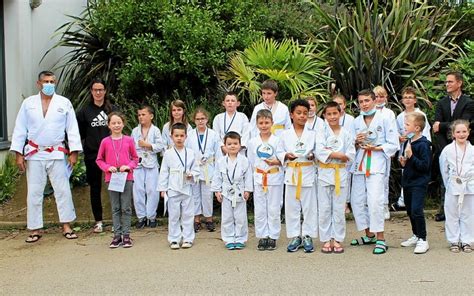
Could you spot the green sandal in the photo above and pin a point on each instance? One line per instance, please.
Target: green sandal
(364, 240)
(380, 247)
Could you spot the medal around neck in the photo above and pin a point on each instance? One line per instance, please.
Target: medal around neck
(265, 151)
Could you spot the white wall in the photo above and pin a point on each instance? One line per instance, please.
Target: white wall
(28, 35)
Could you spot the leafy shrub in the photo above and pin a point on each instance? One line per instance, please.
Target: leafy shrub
(465, 65)
(9, 176)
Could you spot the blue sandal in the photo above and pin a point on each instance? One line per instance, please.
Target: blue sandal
(380, 247)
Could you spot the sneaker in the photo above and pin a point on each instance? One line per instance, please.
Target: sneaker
(141, 223)
(127, 241)
(187, 245)
(98, 227)
(152, 223)
(210, 226)
(386, 213)
(294, 244)
(308, 244)
(116, 242)
(262, 244)
(271, 244)
(174, 246)
(230, 246)
(239, 246)
(197, 226)
(421, 246)
(411, 242)
(397, 207)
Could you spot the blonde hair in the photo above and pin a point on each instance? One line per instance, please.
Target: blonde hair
(418, 119)
(380, 90)
(202, 110)
(458, 122)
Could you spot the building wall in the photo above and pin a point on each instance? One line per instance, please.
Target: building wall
(28, 35)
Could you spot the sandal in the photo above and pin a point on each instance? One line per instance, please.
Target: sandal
(33, 238)
(466, 248)
(364, 240)
(380, 248)
(454, 248)
(326, 248)
(98, 228)
(70, 235)
(337, 248)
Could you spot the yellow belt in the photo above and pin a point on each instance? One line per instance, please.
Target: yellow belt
(299, 183)
(265, 173)
(276, 127)
(337, 176)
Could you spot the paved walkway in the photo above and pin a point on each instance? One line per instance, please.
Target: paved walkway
(57, 266)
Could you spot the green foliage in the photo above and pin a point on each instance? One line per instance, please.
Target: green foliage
(466, 66)
(298, 69)
(158, 48)
(78, 176)
(9, 176)
(395, 45)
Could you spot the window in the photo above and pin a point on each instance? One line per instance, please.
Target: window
(4, 144)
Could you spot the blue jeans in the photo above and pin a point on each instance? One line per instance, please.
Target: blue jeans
(415, 203)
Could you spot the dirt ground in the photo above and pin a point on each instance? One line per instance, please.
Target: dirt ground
(56, 266)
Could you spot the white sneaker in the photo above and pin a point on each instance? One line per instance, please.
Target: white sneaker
(386, 213)
(187, 245)
(421, 247)
(411, 242)
(401, 202)
(174, 246)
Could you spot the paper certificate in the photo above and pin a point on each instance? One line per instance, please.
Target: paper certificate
(117, 181)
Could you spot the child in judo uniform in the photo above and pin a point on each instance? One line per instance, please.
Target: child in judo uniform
(268, 182)
(457, 169)
(232, 183)
(334, 148)
(177, 115)
(179, 172)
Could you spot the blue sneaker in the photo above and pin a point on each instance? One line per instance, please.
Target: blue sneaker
(230, 246)
(308, 244)
(294, 244)
(239, 246)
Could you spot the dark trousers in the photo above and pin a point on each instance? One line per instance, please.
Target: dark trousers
(94, 178)
(415, 203)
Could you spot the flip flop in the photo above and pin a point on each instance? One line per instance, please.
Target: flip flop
(70, 235)
(326, 248)
(33, 238)
(338, 249)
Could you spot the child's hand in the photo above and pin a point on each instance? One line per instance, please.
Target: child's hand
(246, 195)
(113, 169)
(143, 144)
(402, 161)
(124, 168)
(310, 156)
(272, 161)
(339, 155)
(219, 197)
(162, 194)
(402, 138)
(290, 156)
(360, 138)
(408, 151)
(224, 150)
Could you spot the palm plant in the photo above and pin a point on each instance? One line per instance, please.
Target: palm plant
(402, 43)
(300, 70)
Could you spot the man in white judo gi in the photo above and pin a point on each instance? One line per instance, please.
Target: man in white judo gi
(43, 125)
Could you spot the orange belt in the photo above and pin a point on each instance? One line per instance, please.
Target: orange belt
(367, 163)
(47, 149)
(297, 166)
(264, 173)
(337, 175)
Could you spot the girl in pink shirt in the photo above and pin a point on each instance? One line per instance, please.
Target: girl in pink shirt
(117, 155)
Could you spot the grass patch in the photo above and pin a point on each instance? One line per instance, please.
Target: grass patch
(9, 176)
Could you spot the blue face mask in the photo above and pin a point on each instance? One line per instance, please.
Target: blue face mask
(410, 135)
(48, 89)
(368, 113)
(380, 106)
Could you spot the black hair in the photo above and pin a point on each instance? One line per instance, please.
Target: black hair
(232, 135)
(332, 104)
(107, 104)
(298, 102)
(367, 93)
(179, 126)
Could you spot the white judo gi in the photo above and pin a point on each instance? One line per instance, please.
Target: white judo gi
(332, 182)
(172, 180)
(145, 176)
(387, 113)
(166, 134)
(206, 152)
(48, 134)
(458, 178)
(281, 118)
(368, 178)
(300, 195)
(238, 122)
(316, 125)
(268, 186)
(347, 121)
(232, 178)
